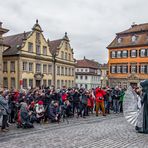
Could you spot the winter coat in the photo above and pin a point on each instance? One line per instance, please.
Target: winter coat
(100, 95)
(3, 106)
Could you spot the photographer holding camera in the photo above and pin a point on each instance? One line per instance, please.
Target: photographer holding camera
(100, 101)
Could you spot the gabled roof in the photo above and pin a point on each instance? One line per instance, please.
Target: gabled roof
(139, 31)
(14, 42)
(86, 63)
(54, 45)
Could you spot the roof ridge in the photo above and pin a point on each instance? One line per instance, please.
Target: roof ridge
(17, 34)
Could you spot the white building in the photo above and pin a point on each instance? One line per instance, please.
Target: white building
(87, 74)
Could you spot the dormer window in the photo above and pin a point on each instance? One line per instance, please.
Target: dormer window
(134, 38)
(119, 40)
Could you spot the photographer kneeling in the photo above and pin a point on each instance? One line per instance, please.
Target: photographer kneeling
(54, 113)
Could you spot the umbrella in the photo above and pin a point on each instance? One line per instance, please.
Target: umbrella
(131, 110)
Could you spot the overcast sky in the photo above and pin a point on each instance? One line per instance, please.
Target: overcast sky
(91, 24)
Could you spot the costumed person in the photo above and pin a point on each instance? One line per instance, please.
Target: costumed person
(142, 124)
(135, 109)
(100, 101)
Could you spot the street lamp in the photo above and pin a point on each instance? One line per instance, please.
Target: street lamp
(54, 54)
(101, 81)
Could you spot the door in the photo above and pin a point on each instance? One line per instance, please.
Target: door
(38, 83)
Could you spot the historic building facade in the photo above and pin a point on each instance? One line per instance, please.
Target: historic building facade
(87, 74)
(28, 62)
(128, 56)
(2, 46)
(63, 62)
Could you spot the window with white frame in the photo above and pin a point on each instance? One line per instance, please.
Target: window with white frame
(113, 69)
(118, 69)
(44, 50)
(124, 53)
(134, 53)
(12, 66)
(142, 68)
(12, 82)
(65, 55)
(49, 68)
(38, 68)
(81, 77)
(30, 67)
(62, 70)
(113, 54)
(142, 52)
(58, 70)
(124, 69)
(38, 49)
(31, 82)
(44, 68)
(24, 66)
(65, 71)
(30, 47)
(118, 54)
(62, 55)
(24, 83)
(133, 68)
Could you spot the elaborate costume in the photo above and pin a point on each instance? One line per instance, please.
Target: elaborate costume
(136, 108)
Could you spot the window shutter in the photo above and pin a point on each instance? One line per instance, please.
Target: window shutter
(115, 54)
(130, 53)
(130, 68)
(115, 69)
(127, 54)
(111, 54)
(120, 69)
(136, 53)
(139, 68)
(136, 68)
(140, 53)
(110, 69)
(146, 52)
(121, 54)
(145, 69)
(126, 69)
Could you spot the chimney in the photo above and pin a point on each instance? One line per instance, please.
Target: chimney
(133, 24)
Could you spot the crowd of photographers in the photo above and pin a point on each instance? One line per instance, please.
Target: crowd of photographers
(25, 107)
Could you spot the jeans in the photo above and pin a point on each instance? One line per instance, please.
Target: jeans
(4, 121)
(116, 105)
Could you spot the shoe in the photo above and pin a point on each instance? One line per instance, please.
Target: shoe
(4, 130)
(104, 115)
(97, 115)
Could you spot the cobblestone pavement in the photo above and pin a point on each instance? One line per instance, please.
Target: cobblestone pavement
(93, 132)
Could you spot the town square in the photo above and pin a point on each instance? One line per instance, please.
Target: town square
(73, 74)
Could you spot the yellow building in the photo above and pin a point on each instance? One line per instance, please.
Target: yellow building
(28, 62)
(128, 56)
(63, 62)
(2, 46)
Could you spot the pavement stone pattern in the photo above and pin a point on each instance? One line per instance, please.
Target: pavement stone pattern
(111, 131)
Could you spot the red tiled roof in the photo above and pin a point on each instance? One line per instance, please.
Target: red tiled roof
(141, 33)
(14, 42)
(85, 63)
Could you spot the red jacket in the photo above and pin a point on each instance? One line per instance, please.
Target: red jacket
(100, 95)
